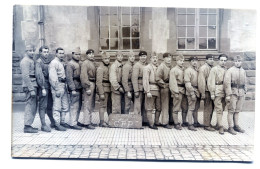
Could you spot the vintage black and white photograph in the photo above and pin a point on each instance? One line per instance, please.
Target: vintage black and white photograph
(133, 83)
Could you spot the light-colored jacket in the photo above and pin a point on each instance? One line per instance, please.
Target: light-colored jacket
(177, 80)
(115, 76)
(215, 81)
(56, 71)
(87, 73)
(191, 81)
(162, 75)
(126, 76)
(137, 76)
(204, 71)
(102, 79)
(149, 81)
(73, 75)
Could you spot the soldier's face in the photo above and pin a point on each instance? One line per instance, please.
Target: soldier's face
(131, 58)
(238, 63)
(143, 58)
(61, 55)
(154, 59)
(210, 61)
(30, 53)
(180, 62)
(119, 57)
(76, 56)
(106, 60)
(45, 53)
(90, 56)
(222, 61)
(194, 63)
(168, 59)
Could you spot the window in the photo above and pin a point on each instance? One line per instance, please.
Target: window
(197, 29)
(119, 28)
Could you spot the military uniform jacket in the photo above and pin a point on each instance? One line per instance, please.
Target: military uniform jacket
(177, 80)
(126, 77)
(204, 71)
(149, 82)
(87, 73)
(56, 71)
(102, 79)
(28, 73)
(42, 72)
(215, 81)
(235, 81)
(191, 81)
(137, 76)
(115, 76)
(162, 75)
(73, 75)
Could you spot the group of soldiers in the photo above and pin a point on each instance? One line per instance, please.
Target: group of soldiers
(151, 88)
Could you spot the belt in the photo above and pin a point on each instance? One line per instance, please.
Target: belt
(152, 83)
(76, 78)
(32, 76)
(195, 87)
(181, 85)
(219, 83)
(62, 80)
(92, 80)
(140, 78)
(166, 81)
(105, 81)
(237, 86)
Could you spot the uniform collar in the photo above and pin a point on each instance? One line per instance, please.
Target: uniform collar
(118, 63)
(142, 63)
(168, 66)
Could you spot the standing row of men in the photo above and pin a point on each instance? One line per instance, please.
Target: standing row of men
(164, 89)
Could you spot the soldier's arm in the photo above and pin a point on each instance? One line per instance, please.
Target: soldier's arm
(146, 75)
(212, 81)
(135, 78)
(125, 74)
(69, 77)
(173, 82)
(187, 77)
(201, 81)
(84, 76)
(113, 77)
(53, 77)
(25, 69)
(39, 75)
(159, 76)
(99, 81)
(245, 88)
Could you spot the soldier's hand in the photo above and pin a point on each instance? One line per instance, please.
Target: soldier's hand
(58, 93)
(149, 95)
(129, 95)
(121, 90)
(212, 97)
(74, 93)
(203, 96)
(32, 93)
(43, 92)
(176, 96)
(228, 99)
(136, 94)
(102, 97)
(88, 92)
(193, 97)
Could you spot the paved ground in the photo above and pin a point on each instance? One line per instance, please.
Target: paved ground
(135, 144)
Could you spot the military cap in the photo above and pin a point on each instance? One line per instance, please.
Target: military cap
(29, 47)
(193, 58)
(105, 55)
(142, 53)
(222, 55)
(237, 57)
(166, 55)
(179, 57)
(76, 50)
(208, 56)
(90, 51)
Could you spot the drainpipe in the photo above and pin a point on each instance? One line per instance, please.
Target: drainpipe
(41, 25)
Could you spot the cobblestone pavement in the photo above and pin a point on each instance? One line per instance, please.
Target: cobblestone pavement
(135, 144)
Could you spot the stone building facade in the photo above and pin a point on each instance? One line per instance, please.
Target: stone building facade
(214, 31)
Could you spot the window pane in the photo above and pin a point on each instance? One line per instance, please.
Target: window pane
(211, 31)
(104, 20)
(104, 10)
(203, 10)
(114, 44)
(190, 43)
(182, 31)
(114, 32)
(126, 20)
(212, 10)
(190, 19)
(190, 10)
(203, 31)
(104, 44)
(104, 33)
(203, 19)
(181, 43)
(126, 10)
(126, 43)
(113, 20)
(212, 19)
(126, 31)
(203, 43)
(135, 44)
(181, 10)
(135, 10)
(135, 31)
(212, 43)
(135, 20)
(190, 31)
(181, 19)
(113, 10)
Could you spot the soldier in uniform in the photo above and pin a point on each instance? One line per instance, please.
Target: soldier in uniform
(137, 81)
(177, 88)
(88, 82)
(104, 88)
(235, 89)
(44, 92)
(57, 78)
(192, 92)
(127, 82)
(115, 77)
(30, 88)
(74, 88)
(152, 94)
(162, 78)
(216, 89)
(203, 89)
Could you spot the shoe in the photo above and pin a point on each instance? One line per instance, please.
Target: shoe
(209, 128)
(167, 126)
(153, 127)
(192, 128)
(65, 125)
(185, 124)
(60, 128)
(221, 130)
(52, 126)
(76, 127)
(45, 128)
(198, 125)
(178, 127)
(30, 129)
(145, 124)
(232, 131)
(103, 125)
(238, 129)
(157, 125)
(90, 127)
(94, 125)
(81, 125)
